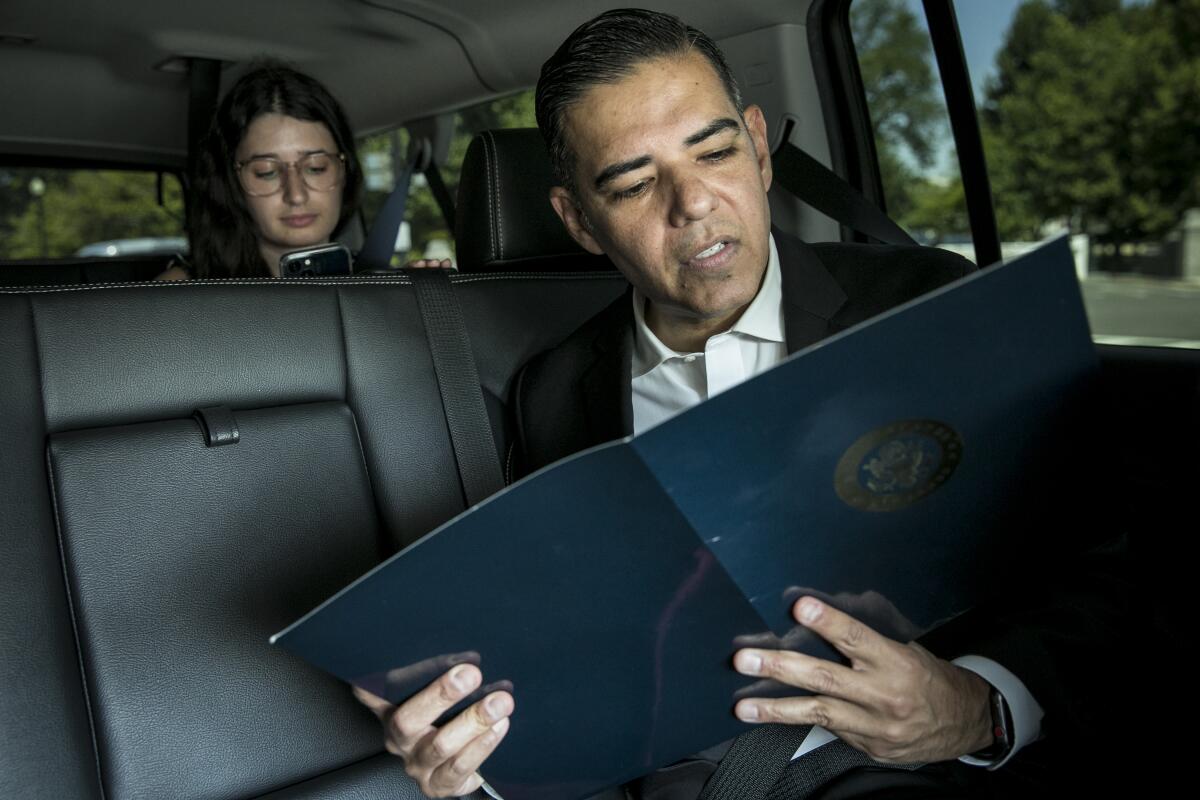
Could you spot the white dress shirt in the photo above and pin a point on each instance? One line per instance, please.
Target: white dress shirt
(666, 382)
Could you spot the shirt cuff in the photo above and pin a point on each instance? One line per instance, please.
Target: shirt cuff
(1026, 713)
(490, 791)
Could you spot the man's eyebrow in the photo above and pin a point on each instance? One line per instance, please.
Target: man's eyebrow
(613, 171)
(712, 129)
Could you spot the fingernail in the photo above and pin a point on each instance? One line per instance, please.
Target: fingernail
(748, 662)
(747, 712)
(494, 707)
(463, 678)
(500, 727)
(809, 610)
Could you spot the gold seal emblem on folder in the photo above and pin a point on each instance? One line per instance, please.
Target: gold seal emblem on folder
(892, 467)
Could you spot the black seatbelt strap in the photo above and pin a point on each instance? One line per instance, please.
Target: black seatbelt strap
(441, 193)
(829, 193)
(380, 244)
(458, 383)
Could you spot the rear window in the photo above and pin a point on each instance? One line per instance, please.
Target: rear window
(50, 212)
(426, 234)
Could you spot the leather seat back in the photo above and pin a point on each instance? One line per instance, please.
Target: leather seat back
(145, 569)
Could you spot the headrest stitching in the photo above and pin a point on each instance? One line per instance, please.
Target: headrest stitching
(488, 159)
(499, 207)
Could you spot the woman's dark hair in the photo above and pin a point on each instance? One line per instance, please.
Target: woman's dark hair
(223, 236)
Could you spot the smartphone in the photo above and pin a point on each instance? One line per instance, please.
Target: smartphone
(325, 259)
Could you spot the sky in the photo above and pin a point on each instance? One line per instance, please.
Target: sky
(982, 25)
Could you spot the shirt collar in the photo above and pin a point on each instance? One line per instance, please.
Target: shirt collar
(762, 319)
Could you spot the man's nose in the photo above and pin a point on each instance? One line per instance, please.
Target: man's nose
(295, 193)
(693, 200)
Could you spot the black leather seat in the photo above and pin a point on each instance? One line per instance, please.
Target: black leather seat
(60, 271)
(505, 220)
(143, 569)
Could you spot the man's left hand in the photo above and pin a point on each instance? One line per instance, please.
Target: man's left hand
(896, 702)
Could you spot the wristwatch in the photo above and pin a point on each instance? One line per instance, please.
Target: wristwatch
(1002, 740)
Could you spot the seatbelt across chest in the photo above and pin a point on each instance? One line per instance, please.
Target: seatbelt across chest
(829, 193)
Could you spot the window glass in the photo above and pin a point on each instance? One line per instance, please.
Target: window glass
(426, 234)
(1089, 111)
(59, 213)
(918, 164)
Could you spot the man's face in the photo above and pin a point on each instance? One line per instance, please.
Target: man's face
(671, 185)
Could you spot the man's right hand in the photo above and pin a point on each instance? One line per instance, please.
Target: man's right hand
(444, 761)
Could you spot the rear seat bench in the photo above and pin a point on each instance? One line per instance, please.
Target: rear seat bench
(144, 567)
(62, 271)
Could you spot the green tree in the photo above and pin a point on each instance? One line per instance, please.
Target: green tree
(1092, 116)
(939, 207)
(895, 59)
(83, 206)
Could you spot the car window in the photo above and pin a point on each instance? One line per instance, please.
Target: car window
(918, 164)
(1088, 115)
(49, 212)
(427, 234)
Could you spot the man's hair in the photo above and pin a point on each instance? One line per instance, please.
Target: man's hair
(604, 50)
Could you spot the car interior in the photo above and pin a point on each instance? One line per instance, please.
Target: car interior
(189, 467)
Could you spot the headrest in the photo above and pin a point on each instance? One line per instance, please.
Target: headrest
(503, 219)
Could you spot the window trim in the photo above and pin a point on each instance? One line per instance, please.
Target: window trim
(848, 120)
(964, 127)
(844, 103)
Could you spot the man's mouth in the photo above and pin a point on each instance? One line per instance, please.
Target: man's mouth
(712, 251)
(715, 256)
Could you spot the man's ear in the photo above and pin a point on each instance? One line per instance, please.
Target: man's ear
(756, 124)
(572, 217)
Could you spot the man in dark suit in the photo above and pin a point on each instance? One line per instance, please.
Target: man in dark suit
(580, 393)
(662, 169)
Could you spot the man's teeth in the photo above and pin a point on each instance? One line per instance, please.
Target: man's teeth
(712, 251)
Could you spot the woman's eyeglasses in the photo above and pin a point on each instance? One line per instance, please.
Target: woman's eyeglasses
(262, 177)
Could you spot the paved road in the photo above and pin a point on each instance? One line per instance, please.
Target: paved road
(1135, 310)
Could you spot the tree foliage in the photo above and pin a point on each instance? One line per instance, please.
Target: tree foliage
(79, 207)
(1092, 118)
(1089, 120)
(907, 115)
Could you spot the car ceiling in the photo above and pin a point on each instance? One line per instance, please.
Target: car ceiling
(84, 78)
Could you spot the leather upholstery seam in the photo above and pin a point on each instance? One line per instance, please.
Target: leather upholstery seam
(499, 208)
(508, 465)
(380, 517)
(83, 674)
(62, 556)
(469, 277)
(341, 319)
(490, 190)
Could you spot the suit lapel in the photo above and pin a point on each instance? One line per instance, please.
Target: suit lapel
(811, 296)
(607, 382)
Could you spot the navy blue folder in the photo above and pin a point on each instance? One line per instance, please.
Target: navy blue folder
(889, 468)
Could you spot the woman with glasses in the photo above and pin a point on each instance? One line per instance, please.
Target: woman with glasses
(277, 172)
